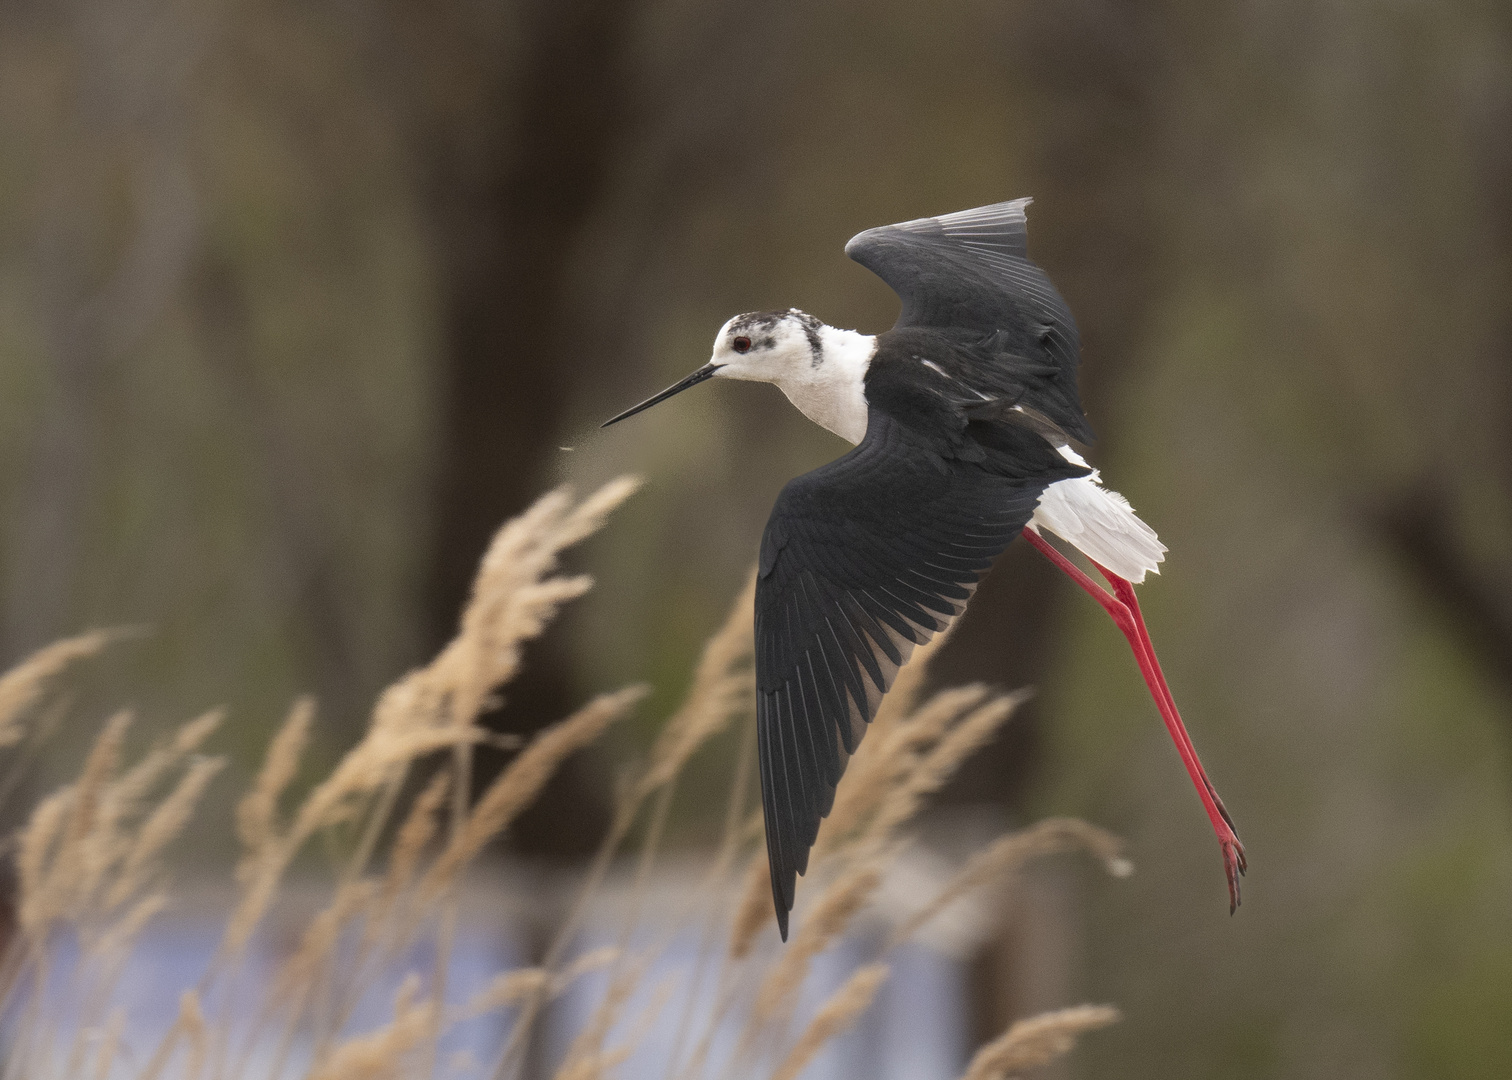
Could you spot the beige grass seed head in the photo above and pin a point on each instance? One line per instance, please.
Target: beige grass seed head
(24, 685)
(1009, 853)
(93, 850)
(383, 1054)
(161, 827)
(1037, 1041)
(828, 918)
(519, 784)
(754, 910)
(257, 813)
(834, 1017)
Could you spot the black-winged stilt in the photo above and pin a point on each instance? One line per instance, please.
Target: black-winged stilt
(963, 415)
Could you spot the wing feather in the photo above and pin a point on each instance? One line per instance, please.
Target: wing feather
(968, 274)
(863, 560)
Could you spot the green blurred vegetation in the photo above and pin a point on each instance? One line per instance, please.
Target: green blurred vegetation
(297, 300)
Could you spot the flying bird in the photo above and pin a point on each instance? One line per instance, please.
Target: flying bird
(963, 417)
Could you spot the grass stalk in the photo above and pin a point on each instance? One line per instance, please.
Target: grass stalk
(91, 864)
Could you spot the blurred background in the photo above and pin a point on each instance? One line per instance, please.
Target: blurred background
(300, 300)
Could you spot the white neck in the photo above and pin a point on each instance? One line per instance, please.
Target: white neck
(829, 391)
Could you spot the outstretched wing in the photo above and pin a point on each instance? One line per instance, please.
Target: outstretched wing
(969, 274)
(862, 559)
(969, 269)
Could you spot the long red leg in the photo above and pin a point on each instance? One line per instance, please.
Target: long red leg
(1124, 610)
(1124, 590)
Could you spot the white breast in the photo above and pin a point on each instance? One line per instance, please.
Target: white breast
(1099, 523)
(832, 393)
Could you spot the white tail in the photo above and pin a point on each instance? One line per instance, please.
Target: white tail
(1099, 523)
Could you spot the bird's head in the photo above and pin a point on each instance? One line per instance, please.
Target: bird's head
(761, 346)
(768, 346)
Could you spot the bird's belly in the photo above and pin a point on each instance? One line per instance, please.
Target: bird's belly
(1101, 525)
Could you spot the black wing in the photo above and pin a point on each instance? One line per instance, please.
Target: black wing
(968, 274)
(862, 559)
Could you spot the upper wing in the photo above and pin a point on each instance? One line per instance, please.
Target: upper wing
(970, 272)
(862, 559)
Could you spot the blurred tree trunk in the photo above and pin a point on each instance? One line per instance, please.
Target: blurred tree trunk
(517, 154)
(1428, 525)
(1420, 528)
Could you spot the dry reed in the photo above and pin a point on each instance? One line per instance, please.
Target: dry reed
(417, 831)
(161, 827)
(926, 768)
(586, 1057)
(25, 685)
(753, 912)
(118, 938)
(593, 1066)
(257, 813)
(888, 755)
(319, 939)
(59, 861)
(1008, 853)
(381, 1054)
(834, 1017)
(138, 781)
(33, 849)
(189, 1026)
(588, 1060)
(826, 921)
(518, 785)
(196, 1033)
(517, 986)
(92, 855)
(508, 988)
(109, 1043)
(1037, 1041)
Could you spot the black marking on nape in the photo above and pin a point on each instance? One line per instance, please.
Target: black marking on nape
(811, 327)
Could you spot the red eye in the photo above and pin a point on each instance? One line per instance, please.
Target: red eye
(741, 344)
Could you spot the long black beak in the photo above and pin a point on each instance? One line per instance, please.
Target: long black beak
(705, 372)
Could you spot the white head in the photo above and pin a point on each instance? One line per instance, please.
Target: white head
(769, 346)
(819, 368)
